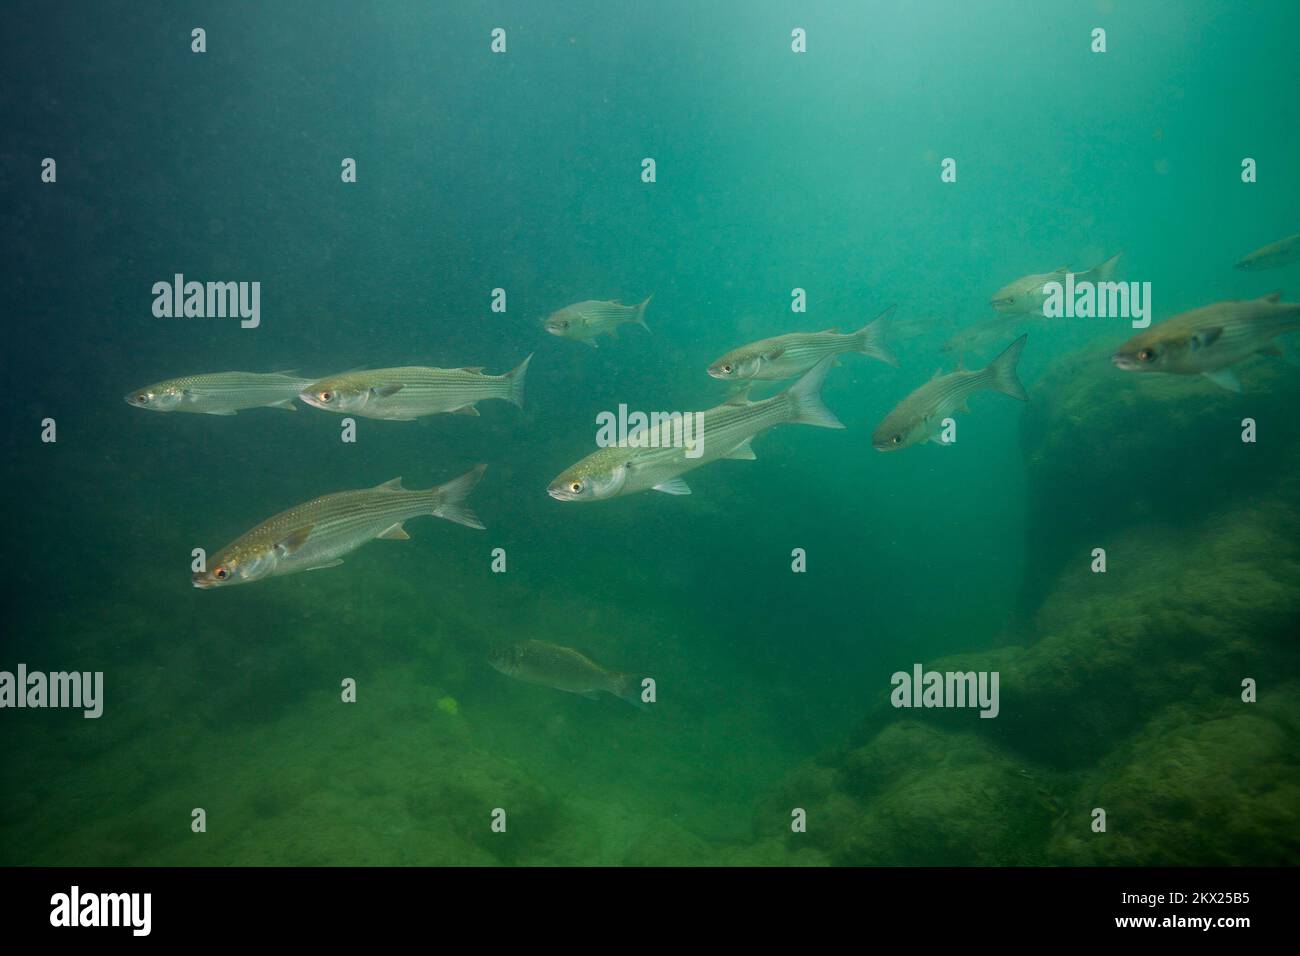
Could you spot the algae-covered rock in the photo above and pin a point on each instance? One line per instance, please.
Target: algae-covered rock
(1197, 787)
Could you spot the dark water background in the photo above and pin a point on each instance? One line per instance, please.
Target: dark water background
(522, 171)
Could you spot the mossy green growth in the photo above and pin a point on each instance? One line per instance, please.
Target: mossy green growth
(448, 705)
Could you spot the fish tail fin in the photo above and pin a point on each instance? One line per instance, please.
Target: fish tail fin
(451, 499)
(516, 379)
(627, 687)
(1002, 370)
(806, 395)
(1105, 271)
(872, 338)
(640, 312)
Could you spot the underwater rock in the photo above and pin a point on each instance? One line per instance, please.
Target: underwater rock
(1200, 787)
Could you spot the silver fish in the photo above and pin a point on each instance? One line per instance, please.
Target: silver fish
(584, 321)
(1275, 254)
(974, 338)
(787, 356)
(220, 393)
(404, 394)
(1025, 295)
(563, 668)
(1209, 340)
(726, 432)
(919, 417)
(318, 533)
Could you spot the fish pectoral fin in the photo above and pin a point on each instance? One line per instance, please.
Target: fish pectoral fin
(218, 413)
(394, 533)
(674, 486)
(1224, 378)
(1272, 350)
(286, 403)
(1208, 337)
(329, 564)
(384, 391)
(465, 410)
(592, 343)
(293, 541)
(743, 451)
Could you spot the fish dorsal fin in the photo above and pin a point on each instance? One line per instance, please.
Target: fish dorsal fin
(1272, 297)
(293, 541)
(393, 485)
(472, 368)
(1060, 270)
(937, 373)
(960, 367)
(286, 371)
(739, 397)
(833, 328)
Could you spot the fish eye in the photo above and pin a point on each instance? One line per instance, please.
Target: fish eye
(326, 396)
(727, 368)
(1146, 355)
(221, 573)
(142, 399)
(575, 486)
(896, 440)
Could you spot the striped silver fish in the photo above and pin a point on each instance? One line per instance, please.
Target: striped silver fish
(786, 356)
(1275, 254)
(563, 668)
(221, 393)
(725, 432)
(1025, 296)
(1210, 340)
(583, 321)
(317, 534)
(919, 417)
(404, 394)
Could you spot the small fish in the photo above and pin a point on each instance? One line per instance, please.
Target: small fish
(977, 337)
(1280, 253)
(404, 394)
(583, 321)
(919, 417)
(1209, 340)
(788, 356)
(1025, 296)
(726, 432)
(563, 668)
(221, 393)
(317, 534)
